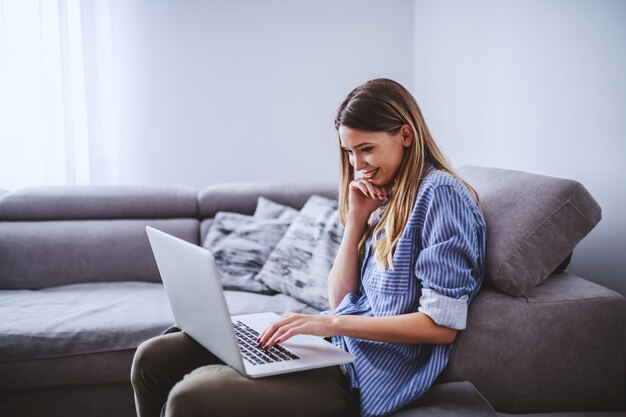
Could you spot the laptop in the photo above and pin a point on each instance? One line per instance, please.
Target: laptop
(196, 297)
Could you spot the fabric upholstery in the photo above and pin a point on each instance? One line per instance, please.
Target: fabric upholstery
(452, 399)
(559, 347)
(100, 400)
(81, 318)
(99, 317)
(111, 367)
(241, 244)
(49, 253)
(572, 414)
(268, 209)
(99, 202)
(300, 263)
(243, 197)
(533, 223)
(205, 226)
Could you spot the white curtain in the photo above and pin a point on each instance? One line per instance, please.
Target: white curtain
(55, 88)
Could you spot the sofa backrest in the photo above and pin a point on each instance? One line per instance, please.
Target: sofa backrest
(242, 197)
(52, 236)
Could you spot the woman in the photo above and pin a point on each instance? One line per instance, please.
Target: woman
(411, 259)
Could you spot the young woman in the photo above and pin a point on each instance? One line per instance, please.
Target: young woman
(411, 259)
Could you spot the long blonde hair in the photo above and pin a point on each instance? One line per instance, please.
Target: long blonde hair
(383, 105)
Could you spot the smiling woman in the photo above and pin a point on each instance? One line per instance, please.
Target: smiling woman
(411, 258)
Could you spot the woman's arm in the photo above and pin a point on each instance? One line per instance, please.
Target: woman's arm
(344, 275)
(412, 328)
(343, 278)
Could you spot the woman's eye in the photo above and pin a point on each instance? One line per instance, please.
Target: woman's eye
(367, 149)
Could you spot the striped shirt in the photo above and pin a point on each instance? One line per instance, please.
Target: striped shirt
(439, 263)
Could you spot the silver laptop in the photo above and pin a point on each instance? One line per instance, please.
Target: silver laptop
(194, 290)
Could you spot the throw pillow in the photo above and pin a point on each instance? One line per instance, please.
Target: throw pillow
(533, 223)
(241, 244)
(268, 209)
(300, 263)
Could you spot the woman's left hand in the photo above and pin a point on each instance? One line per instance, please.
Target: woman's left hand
(293, 324)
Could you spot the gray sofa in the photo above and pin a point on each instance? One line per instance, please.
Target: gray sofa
(79, 290)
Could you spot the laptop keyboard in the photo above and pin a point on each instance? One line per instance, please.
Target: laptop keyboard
(253, 353)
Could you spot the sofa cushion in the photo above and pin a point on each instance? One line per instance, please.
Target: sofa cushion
(43, 254)
(559, 347)
(533, 223)
(300, 263)
(241, 244)
(268, 209)
(99, 317)
(99, 202)
(80, 318)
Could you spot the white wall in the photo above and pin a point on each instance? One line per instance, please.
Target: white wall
(212, 91)
(539, 86)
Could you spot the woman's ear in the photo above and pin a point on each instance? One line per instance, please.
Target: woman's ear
(407, 135)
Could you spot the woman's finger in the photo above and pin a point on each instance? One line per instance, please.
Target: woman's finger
(280, 335)
(275, 327)
(363, 187)
(367, 188)
(375, 191)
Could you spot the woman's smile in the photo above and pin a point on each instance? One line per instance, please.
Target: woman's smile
(368, 175)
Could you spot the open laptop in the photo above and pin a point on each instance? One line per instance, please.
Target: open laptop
(194, 290)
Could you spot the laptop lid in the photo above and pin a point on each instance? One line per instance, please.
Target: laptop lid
(195, 294)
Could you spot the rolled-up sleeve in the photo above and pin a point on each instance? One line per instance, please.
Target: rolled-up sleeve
(447, 262)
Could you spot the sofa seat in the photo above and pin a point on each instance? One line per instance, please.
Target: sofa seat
(88, 323)
(80, 318)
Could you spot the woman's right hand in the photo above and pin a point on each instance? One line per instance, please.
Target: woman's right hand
(363, 199)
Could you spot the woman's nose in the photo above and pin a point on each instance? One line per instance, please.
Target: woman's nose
(359, 163)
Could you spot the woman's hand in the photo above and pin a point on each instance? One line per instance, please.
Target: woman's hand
(363, 199)
(293, 324)
(411, 328)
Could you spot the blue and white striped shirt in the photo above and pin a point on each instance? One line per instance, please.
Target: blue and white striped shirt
(439, 263)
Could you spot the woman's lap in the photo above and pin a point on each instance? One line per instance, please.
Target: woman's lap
(199, 384)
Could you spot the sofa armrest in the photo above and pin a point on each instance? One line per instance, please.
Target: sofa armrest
(559, 347)
(452, 399)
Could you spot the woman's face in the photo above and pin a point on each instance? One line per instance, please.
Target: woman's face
(376, 155)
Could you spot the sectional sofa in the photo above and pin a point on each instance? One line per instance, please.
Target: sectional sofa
(79, 291)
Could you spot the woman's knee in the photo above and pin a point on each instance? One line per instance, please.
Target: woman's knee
(144, 360)
(149, 357)
(210, 390)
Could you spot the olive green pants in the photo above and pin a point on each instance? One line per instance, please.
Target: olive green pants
(174, 375)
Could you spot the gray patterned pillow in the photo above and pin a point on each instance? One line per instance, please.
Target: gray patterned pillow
(241, 244)
(267, 209)
(300, 263)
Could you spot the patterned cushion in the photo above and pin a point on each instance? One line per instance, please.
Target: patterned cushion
(241, 244)
(300, 263)
(267, 209)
